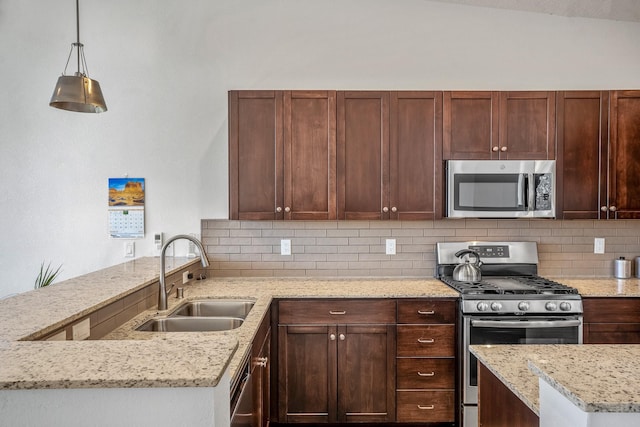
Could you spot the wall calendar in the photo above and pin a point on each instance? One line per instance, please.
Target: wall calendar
(126, 207)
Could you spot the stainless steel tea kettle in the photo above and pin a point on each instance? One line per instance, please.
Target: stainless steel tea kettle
(466, 272)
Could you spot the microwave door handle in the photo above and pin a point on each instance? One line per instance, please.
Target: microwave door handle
(522, 188)
(531, 193)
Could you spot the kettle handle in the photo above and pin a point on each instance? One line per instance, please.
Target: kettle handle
(469, 252)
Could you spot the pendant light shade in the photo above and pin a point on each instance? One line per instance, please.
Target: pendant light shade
(78, 92)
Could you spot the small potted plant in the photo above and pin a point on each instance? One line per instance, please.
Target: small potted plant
(46, 276)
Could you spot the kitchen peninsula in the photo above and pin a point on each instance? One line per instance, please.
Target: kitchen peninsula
(135, 375)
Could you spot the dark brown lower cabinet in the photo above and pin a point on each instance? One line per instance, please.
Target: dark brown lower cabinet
(498, 406)
(336, 373)
(611, 320)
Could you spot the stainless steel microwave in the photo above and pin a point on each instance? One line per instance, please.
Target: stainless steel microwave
(501, 188)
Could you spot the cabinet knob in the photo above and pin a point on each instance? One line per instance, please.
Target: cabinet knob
(426, 374)
(278, 209)
(332, 337)
(287, 209)
(503, 149)
(385, 209)
(495, 149)
(394, 209)
(613, 209)
(337, 313)
(426, 340)
(262, 362)
(342, 337)
(603, 208)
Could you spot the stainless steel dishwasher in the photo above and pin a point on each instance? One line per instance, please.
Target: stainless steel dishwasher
(242, 397)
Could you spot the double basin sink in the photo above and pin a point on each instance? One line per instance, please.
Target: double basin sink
(202, 316)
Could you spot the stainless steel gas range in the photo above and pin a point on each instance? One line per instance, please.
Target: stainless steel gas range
(510, 304)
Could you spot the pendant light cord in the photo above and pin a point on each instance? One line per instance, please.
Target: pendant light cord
(78, 30)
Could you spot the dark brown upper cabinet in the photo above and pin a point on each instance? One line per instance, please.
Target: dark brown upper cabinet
(499, 125)
(624, 155)
(598, 147)
(582, 147)
(389, 155)
(470, 122)
(282, 147)
(255, 154)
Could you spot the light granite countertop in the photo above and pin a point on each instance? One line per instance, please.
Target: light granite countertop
(127, 358)
(603, 287)
(595, 377)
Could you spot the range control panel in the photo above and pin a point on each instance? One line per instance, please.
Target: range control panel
(491, 251)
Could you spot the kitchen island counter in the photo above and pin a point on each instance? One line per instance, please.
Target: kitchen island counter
(595, 378)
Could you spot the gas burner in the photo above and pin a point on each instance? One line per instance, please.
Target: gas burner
(510, 285)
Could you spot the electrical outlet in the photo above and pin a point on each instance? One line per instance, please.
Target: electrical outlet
(598, 245)
(391, 247)
(81, 330)
(129, 249)
(185, 277)
(285, 247)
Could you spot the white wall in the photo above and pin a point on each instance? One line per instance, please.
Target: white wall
(165, 72)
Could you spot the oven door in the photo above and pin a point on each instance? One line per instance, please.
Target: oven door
(484, 330)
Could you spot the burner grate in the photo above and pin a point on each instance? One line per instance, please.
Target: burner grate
(510, 285)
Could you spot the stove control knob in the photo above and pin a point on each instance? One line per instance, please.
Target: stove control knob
(483, 306)
(565, 306)
(496, 306)
(551, 306)
(523, 306)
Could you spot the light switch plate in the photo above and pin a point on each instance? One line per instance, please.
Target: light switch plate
(81, 330)
(391, 247)
(129, 249)
(285, 247)
(598, 245)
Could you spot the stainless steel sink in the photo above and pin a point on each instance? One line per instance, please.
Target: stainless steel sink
(190, 324)
(215, 308)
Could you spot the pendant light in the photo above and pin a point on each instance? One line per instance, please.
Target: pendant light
(78, 92)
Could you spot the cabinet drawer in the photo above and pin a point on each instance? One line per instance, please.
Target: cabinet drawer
(427, 311)
(425, 406)
(426, 340)
(611, 310)
(425, 373)
(336, 311)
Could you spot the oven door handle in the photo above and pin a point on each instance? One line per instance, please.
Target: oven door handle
(526, 323)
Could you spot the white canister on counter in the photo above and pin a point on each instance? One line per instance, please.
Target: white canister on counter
(622, 268)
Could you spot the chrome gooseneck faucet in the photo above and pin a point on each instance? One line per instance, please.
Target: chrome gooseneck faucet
(162, 296)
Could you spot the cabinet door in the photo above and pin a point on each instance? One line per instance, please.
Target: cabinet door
(470, 125)
(624, 196)
(363, 147)
(415, 158)
(366, 373)
(310, 155)
(527, 125)
(255, 155)
(582, 123)
(307, 373)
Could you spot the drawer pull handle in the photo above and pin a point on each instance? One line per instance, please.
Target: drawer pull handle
(429, 407)
(337, 312)
(422, 374)
(426, 340)
(426, 312)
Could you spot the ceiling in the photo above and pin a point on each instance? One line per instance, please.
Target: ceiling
(618, 10)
